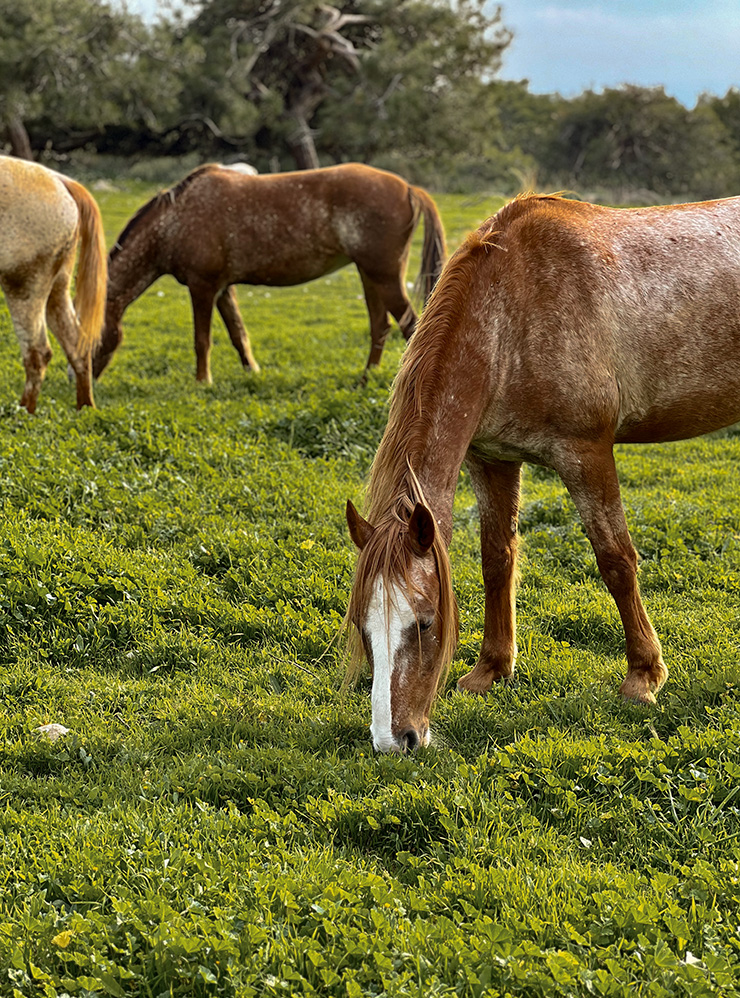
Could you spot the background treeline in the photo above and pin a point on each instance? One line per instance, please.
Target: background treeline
(409, 85)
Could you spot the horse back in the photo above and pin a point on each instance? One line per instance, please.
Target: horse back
(288, 228)
(624, 322)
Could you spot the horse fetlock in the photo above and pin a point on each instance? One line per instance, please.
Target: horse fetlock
(84, 392)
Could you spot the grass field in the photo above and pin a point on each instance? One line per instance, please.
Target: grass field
(175, 568)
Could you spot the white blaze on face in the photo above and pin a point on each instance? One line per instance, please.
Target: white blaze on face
(384, 633)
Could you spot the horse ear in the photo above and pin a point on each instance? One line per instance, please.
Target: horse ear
(421, 529)
(359, 529)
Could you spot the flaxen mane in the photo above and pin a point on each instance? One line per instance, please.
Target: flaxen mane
(162, 199)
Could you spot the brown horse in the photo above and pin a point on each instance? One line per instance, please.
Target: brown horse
(218, 227)
(44, 216)
(557, 330)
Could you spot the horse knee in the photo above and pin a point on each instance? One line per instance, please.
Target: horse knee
(499, 563)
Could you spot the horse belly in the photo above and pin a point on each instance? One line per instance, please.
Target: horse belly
(687, 407)
(679, 375)
(295, 269)
(283, 261)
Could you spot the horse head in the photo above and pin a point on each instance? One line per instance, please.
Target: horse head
(404, 612)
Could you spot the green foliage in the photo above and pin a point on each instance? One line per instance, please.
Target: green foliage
(85, 65)
(646, 139)
(174, 569)
(421, 95)
(409, 86)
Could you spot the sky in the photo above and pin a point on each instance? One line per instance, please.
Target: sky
(568, 46)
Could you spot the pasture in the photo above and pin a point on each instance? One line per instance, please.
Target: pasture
(175, 567)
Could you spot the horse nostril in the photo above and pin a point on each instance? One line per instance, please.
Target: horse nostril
(409, 740)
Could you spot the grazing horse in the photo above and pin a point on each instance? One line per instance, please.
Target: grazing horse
(557, 330)
(218, 227)
(44, 215)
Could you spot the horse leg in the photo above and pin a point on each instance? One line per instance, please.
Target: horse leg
(229, 310)
(401, 308)
(379, 323)
(201, 299)
(27, 312)
(60, 315)
(590, 475)
(496, 485)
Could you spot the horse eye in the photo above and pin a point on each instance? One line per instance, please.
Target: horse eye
(425, 625)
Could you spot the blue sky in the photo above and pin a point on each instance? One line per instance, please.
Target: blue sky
(567, 46)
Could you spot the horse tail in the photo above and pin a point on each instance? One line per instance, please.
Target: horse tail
(434, 248)
(92, 268)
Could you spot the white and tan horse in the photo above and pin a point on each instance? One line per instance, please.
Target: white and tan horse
(43, 217)
(557, 330)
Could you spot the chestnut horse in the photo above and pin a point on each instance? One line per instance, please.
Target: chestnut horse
(44, 216)
(219, 227)
(557, 330)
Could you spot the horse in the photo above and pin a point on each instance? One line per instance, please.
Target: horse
(218, 227)
(556, 330)
(44, 217)
(240, 168)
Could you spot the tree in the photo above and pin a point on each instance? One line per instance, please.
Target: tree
(275, 58)
(74, 67)
(367, 74)
(420, 95)
(638, 137)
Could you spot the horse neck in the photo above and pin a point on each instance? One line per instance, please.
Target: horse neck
(431, 423)
(132, 268)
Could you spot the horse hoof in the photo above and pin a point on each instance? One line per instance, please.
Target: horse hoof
(482, 684)
(637, 689)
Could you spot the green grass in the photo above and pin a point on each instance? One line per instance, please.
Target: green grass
(175, 567)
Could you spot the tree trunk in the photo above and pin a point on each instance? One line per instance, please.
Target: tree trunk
(20, 143)
(302, 145)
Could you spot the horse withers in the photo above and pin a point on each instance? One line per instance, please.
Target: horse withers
(558, 329)
(44, 217)
(218, 227)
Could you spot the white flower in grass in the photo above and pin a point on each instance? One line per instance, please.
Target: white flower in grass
(52, 731)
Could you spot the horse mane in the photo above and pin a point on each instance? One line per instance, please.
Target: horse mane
(394, 488)
(409, 419)
(163, 199)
